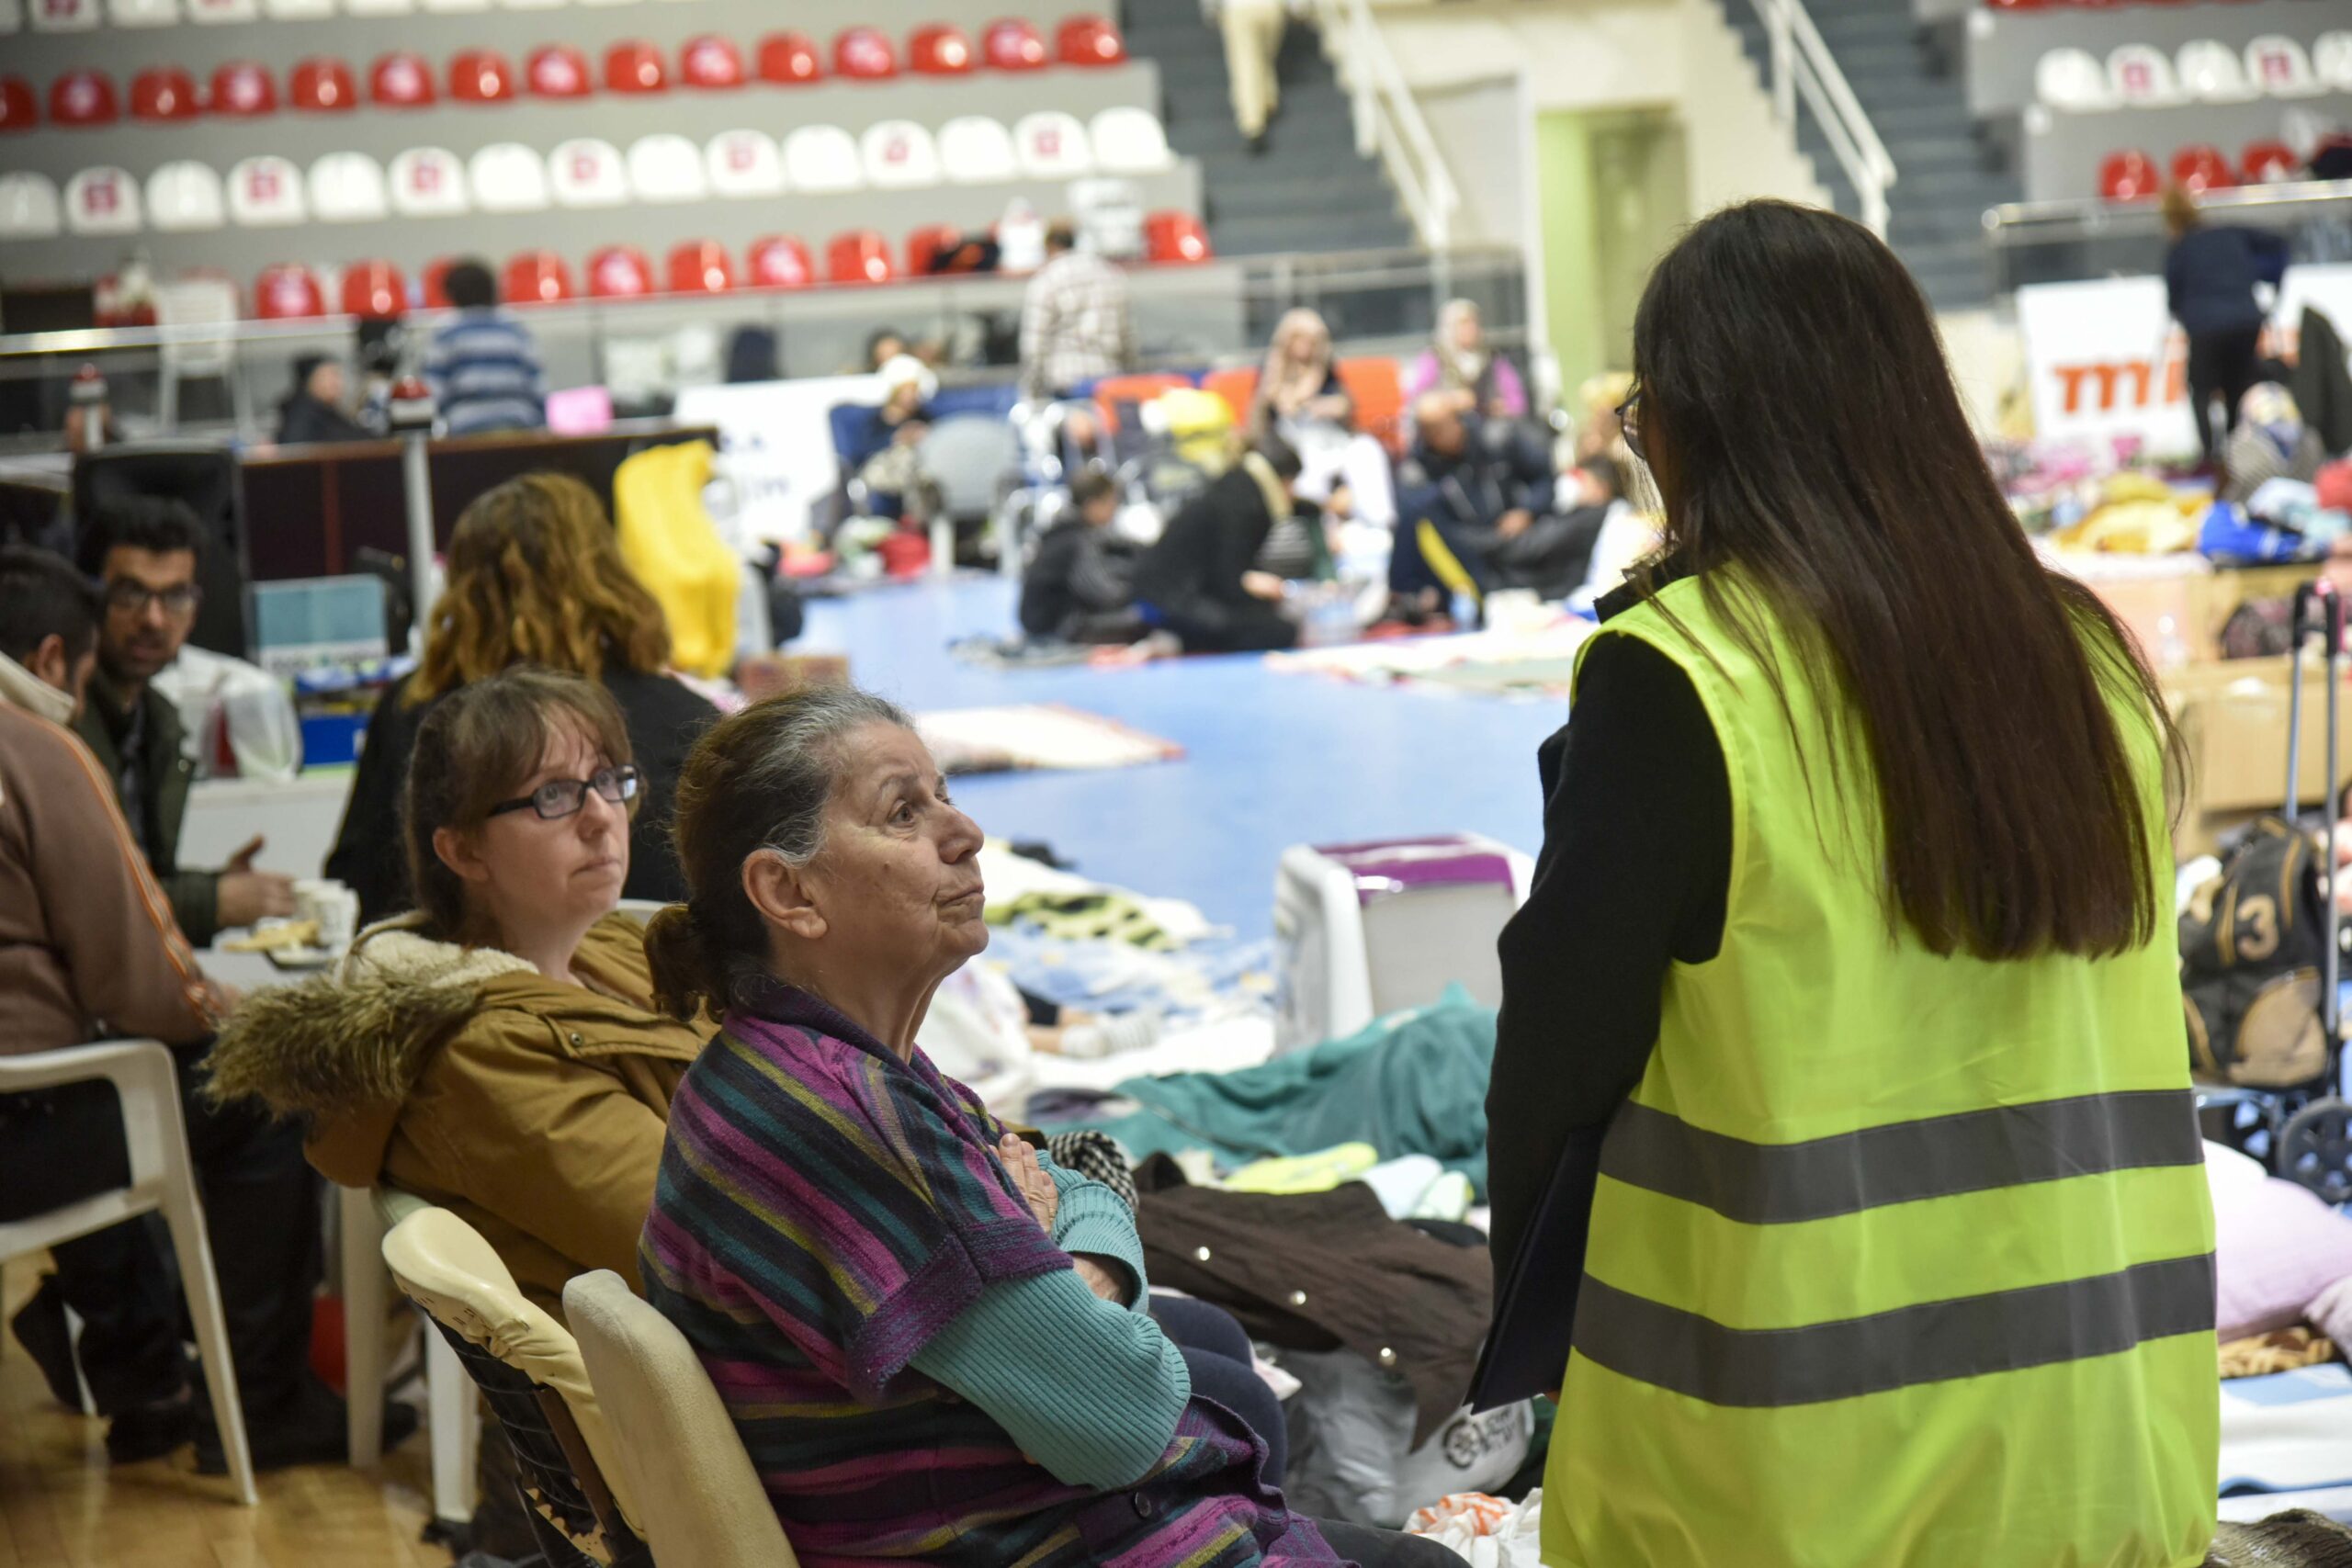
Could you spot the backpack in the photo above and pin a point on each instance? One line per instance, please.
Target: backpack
(2252, 951)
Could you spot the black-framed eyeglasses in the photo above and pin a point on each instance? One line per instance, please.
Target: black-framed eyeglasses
(132, 597)
(1629, 414)
(565, 797)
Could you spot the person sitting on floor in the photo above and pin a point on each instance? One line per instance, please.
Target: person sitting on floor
(535, 577)
(1080, 587)
(1474, 511)
(872, 1268)
(1201, 579)
(88, 951)
(1300, 399)
(1460, 364)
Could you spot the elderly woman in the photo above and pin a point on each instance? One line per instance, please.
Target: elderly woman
(1459, 364)
(932, 1338)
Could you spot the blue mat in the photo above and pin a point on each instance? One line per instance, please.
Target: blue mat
(1271, 761)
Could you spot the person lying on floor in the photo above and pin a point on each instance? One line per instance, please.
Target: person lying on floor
(1201, 579)
(872, 1269)
(1474, 503)
(1080, 588)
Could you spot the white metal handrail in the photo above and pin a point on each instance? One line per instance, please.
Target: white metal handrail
(1803, 66)
(1387, 121)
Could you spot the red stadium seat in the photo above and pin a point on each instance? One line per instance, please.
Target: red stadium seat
(864, 54)
(288, 292)
(1012, 44)
(1089, 40)
(374, 290)
(319, 85)
(780, 261)
(859, 256)
(710, 63)
(635, 66)
(402, 80)
(1176, 237)
(535, 278)
(619, 272)
(19, 110)
(436, 274)
(2271, 162)
(2202, 168)
(789, 59)
(165, 94)
(243, 90)
(84, 98)
(2129, 177)
(940, 50)
(557, 70)
(701, 266)
(928, 243)
(481, 76)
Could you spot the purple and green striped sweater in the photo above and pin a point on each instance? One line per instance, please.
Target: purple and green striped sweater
(823, 1210)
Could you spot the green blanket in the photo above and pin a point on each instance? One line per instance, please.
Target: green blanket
(1411, 1083)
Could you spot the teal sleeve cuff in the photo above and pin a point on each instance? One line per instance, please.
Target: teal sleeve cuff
(1090, 1392)
(1094, 1220)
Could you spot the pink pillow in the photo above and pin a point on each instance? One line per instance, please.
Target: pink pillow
(2279, 1248)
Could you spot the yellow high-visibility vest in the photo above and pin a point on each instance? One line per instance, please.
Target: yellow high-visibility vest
(1898, 1260)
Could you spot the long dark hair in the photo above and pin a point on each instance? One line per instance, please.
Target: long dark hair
(1804, 429)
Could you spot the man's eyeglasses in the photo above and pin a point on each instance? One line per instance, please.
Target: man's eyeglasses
(564, 797)
(1628, 420)
(133, 597)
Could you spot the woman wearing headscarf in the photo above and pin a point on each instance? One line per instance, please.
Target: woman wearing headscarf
(1459, 363)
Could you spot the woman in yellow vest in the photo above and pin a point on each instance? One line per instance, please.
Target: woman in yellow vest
(1852, 929)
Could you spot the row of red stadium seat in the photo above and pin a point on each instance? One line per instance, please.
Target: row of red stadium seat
(2135, 176)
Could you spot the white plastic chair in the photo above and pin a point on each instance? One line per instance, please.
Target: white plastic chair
(2141, 74)
(219, 11)
(1130, 140)
(744, 164)
(347, 187)
(452, 1419)
(379, 8)
(974, 149)
(29, 208)
(2210, 72)
(698, 1499)
(586, 172)
(818, 159)
(163, 1180)
(428, 182)
(265, 192)
(197, 299)
(104, 200)
(507, 177)
(2071, 80)
(447, 6)
(665, 166)
(1053, 146)
(297, 10)
(12, 18)
(142, 13)
(899, 154)
(2278, 66)
(2331, 60)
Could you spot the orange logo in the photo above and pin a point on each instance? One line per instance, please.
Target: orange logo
(2102, 387)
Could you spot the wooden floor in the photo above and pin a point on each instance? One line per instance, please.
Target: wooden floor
(62, 1506)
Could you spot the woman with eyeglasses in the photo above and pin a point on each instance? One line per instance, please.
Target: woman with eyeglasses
(535, 577)
(1846, 1180)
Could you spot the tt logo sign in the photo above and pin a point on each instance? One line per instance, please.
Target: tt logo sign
(2102, 387)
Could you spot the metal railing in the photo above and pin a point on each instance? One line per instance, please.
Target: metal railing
(1388, 123)
(1802, 66)
(2085, 237)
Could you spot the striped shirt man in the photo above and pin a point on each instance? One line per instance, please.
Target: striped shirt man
(485, 374)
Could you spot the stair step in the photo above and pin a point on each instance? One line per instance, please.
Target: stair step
(1359, 231)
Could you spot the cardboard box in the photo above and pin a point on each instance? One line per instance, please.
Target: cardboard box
(2233, 716)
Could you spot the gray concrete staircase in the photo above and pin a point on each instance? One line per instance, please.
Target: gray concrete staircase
(1945, 176)
(1306, 190)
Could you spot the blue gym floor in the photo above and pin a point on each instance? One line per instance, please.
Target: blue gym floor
(1271, 759)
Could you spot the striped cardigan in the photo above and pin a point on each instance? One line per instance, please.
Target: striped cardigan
(823, 1210)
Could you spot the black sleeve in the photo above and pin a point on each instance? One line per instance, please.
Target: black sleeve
(1046, 588)
(665, 717)
(1632, 876)
(370, 854)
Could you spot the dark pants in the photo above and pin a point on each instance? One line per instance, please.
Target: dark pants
(1207, 626)
(2221, 363)
(261, 1211)
(1217, 1352)
(1412, 571)
(1385, 1548)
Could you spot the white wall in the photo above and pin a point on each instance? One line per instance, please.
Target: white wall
(1601, 54)
(1481, 131)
